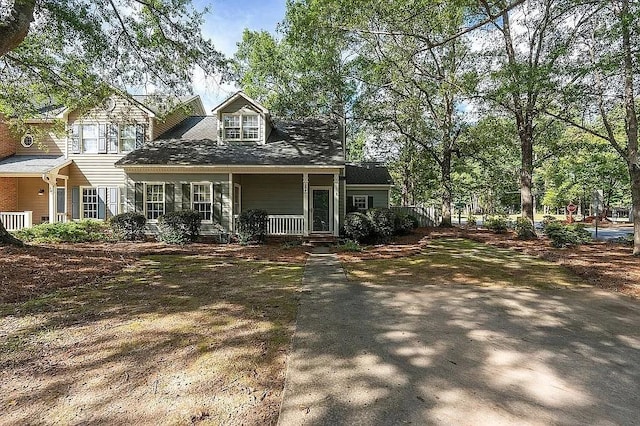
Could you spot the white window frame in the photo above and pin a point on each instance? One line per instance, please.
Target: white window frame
(164, 201)
(241, 128)
(120, 138)
(81, 127)
(360, 198)
(210, 185)
(82, 203)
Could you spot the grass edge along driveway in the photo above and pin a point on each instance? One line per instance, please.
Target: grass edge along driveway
(177, 339)
(460, 261)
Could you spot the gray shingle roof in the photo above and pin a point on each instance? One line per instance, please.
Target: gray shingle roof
(160, 104)
(367, 174)
(31, 164)
(193, 142)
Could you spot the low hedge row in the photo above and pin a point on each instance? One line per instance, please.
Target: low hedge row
(377, 225)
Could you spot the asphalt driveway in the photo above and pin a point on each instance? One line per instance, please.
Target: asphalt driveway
(460, 355)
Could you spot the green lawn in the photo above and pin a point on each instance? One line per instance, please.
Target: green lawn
(174, 340)
(460, 261)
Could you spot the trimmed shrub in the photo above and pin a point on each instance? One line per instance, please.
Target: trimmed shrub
(497, 224)
(179, 227)
(383, 222)
(128, 226)
(525, 229)
(358, 227)
(84, 231)
(415, 223)
(349, 245)
(562, 235)
(252, 226)
(403, 224)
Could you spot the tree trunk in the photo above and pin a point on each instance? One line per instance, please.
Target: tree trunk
(526, 176)
(14, 24)
(634, 172)
(6, 238)
(631, 119)
(447, 196)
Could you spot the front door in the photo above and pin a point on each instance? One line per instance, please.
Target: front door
(321, 209)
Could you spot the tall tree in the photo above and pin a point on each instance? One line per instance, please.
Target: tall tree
(75, 52)
(528, 44)
(601, 87)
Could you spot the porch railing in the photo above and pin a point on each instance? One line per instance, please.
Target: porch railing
(283, 224)
(61, 218)
(15, 221)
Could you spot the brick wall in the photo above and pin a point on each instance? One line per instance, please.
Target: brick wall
(8, 142)
(8, 194)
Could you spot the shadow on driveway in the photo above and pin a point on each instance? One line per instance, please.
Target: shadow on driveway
(459, 355)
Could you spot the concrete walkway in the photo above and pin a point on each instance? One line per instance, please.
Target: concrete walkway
(365, 355)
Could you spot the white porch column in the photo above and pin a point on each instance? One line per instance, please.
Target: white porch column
(53, 195)
(230, 203)
(305, 202)
(336, 204)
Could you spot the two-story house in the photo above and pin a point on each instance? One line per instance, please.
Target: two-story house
(120, 157)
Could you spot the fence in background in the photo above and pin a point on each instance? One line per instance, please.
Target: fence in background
(426, 215)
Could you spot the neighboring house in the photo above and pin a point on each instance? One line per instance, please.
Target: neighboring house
(121, 157)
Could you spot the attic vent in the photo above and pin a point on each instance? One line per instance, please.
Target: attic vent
(27, 140)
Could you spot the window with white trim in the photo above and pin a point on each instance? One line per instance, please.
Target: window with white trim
(360, 202)
(154, 200)
(241, 127)
(90, 203)
(202, 199)
(127, 137)
(90, 138)
(250, 127)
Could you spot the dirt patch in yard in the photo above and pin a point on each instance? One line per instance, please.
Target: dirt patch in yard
(37, 269)
(605, 265)
(198, 337)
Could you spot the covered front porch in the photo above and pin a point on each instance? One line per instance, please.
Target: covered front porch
(33, 191)
(297, 204)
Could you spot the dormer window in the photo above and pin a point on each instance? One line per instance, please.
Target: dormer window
(241, 127)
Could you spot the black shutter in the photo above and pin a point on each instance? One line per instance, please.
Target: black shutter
(75, 139)
(75, 202)
(169, 197)
(186, 196)
(217, 203)
(370, 202)
(140, 129)
(139, 197)
(350, 206)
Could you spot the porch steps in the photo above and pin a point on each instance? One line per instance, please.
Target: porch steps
(319, 240)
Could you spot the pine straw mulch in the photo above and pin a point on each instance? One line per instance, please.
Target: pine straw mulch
(609, 266)
(26, 272)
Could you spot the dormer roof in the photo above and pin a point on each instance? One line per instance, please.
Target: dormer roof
(239, 95)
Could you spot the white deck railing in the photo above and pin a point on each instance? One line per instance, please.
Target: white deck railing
(61, 218)
(285, 225)
(282, 224)
(15, 221)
